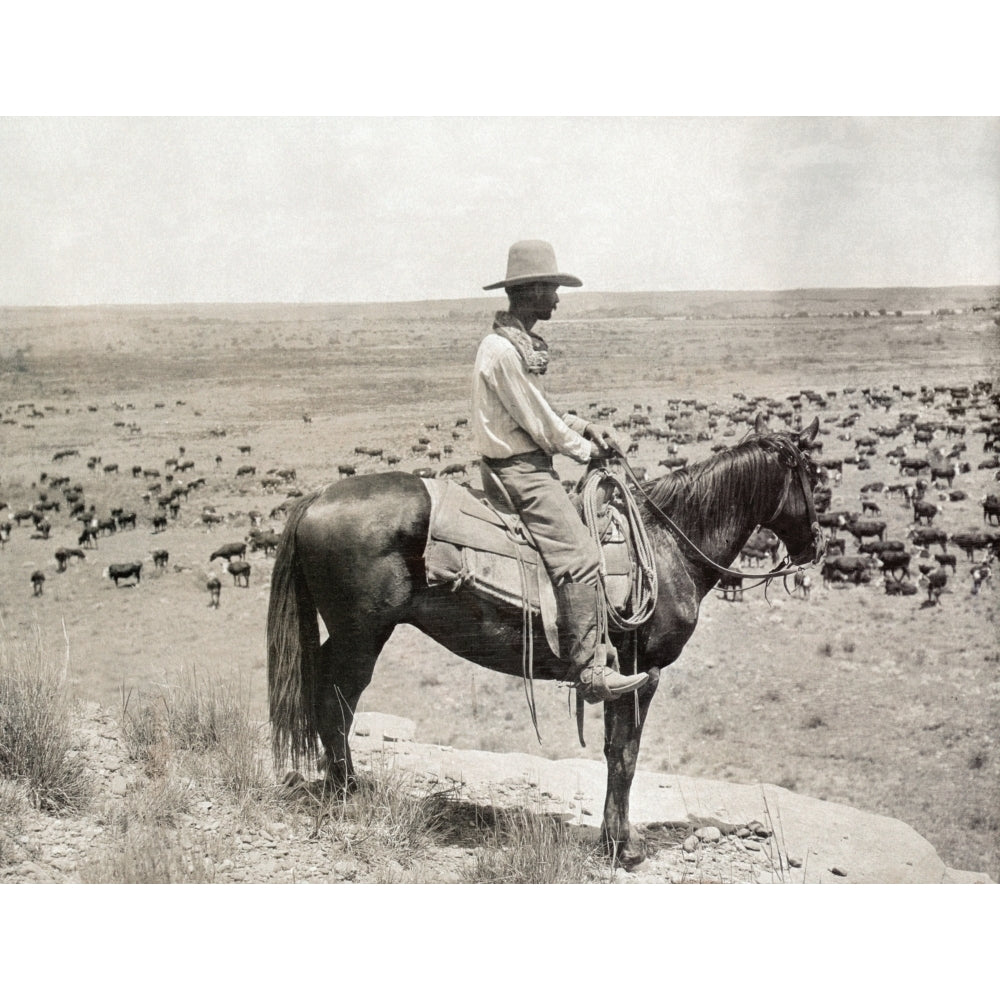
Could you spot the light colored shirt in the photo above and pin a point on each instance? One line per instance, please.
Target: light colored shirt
(510, 412)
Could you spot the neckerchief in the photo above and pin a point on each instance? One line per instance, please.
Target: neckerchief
(532, 348)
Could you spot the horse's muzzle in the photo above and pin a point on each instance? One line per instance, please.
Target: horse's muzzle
(815, 551)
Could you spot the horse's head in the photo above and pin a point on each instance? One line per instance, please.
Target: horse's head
(794, 520)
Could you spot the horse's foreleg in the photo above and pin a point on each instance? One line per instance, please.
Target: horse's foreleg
(623, 722)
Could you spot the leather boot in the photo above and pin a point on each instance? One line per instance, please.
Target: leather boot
(593, 665)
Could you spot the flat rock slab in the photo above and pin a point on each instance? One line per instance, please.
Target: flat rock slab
(826, 841)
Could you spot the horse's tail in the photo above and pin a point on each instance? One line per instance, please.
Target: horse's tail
(293, 650)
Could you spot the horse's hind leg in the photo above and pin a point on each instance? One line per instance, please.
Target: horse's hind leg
(345, 671)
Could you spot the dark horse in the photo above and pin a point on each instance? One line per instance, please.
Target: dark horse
(353, 552)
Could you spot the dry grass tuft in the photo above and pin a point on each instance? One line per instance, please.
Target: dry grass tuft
(525, 847)
(36, 734)
(152, 855)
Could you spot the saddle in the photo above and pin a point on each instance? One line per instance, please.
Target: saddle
(472, 544)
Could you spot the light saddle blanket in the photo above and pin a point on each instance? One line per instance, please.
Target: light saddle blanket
(471, 544)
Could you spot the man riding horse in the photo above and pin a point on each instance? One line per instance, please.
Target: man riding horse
(517, 432)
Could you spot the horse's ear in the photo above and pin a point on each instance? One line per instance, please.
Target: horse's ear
(809, 434)
(760, 424)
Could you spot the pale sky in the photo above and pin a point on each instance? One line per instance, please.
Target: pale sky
(159, 210)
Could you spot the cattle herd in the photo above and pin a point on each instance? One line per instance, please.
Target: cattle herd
(74, 503)
(906, 495)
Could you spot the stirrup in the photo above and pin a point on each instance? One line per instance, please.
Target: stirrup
(602, 681)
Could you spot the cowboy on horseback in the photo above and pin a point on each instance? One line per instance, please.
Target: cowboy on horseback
(517, 432)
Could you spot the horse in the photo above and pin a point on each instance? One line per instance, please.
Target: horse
(352, 552)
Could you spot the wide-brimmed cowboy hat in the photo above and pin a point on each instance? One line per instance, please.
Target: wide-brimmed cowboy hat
(533, 260)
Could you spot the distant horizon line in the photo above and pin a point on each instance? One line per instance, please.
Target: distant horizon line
(488, 299)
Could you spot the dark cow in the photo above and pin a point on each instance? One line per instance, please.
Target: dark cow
(945, 472)
(928, 536)
(239, 570)
(37, 582)
(159, 523)
(980, 574)
(860, 529)
(731, 585)
(924, 512)
(160, 557)
(266, 540)
(970, 541)
(946, 559)
(899, 588)
(346, 470)
(766, 540)
(214, 585)
(247, 470)
(123, 571)
(991, 509)
(233, 550)
(936, 581)
(848, 569)
(896, 564)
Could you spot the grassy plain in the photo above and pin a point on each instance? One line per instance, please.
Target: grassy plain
(852, 696)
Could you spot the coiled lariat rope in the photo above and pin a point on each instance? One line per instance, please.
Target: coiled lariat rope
(645, 584)
(641, 604)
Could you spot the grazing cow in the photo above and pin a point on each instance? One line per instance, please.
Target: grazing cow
(88, 537)
(865, 529)
(246, 470)
(767, 541)
(945, 472)
(923, 537)
(870, 507)
(244, 449)
(233, 550)
(456, 468)
(935, 581)
(848, 569)
(159, 523)
(896, 564)
(160, 557)
(37, 581)
(731, 586)
(970, 541)
(753, 555)
(924, 512)
(346, 470)
(209, 517)
(946, 559)
(266, 540)
(122, 571)
(899, 588)
(991, 509)
(911, 466)
(239, 570)
(126, 519)
(214, 585)
(980, 574)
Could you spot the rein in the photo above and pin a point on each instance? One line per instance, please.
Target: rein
(777, 573)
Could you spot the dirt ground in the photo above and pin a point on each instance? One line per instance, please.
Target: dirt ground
(879, 702)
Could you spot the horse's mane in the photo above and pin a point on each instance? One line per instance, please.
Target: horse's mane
(714, 496)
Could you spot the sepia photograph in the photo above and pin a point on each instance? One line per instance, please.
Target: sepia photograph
(478, 500)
